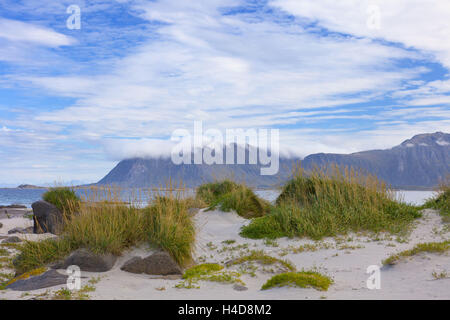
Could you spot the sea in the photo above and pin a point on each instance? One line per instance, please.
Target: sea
(26, 197)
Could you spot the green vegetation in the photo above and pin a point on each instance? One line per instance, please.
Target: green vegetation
(431, 247)
(65, 199)
(207, 272)
(261, 257)
(168, 226)
(331, 203)
(114, 227)
(304, 279)
(227, 195)
(442, 201)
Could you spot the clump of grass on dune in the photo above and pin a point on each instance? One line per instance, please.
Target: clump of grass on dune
(303, 279)
(168, 225)
(64, 198)
(330, 203)
(228, 195)
(442, 201)
(431, 247)
(112, 227)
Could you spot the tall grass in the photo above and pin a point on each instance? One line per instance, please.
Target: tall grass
(64, 198)
(111, 226)
(228, 195)
(332, 202)
(442, 201)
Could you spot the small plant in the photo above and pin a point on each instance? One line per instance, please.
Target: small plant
(261, 257)
(304, 279)
(440, 275)
(431, 247)
(228, 242)
(207, 272)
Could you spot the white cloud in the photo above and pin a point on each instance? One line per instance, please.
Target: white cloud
(18, 31)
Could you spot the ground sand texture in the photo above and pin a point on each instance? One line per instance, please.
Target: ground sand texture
(344, 259)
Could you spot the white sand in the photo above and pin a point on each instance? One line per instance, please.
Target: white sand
(411, 279)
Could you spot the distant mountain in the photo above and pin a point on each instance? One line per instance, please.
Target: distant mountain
(420, 162)
(155, 172)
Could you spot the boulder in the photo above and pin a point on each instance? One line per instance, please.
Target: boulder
(159, 263)
(47, 218)
(48, 279)
(88, 261)
(1, 225)
(13, 239)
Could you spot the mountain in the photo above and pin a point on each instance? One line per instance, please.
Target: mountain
(420, 162)
(156, 172)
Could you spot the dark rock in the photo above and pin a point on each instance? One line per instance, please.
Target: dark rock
(21, 230)
(13, 239)
(88, 261)
(239, 287)
(159, 263)
(48, 279)
(1, 225)
(47, 218)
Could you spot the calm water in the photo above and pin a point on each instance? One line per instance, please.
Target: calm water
(28, 196)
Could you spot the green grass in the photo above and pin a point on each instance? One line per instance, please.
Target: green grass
(442, 201)
(207, 272)
(64, 198)
(113, 228)
(304, 279)
(261, 257)
(431, 247)
(228, 195)
(332, 203)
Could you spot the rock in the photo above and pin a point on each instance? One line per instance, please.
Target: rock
(21, 230)
(159, 263)
(48, 279)
(13, 239)
(88, 261)
(47, 218)
(1, 225)
(239, 287)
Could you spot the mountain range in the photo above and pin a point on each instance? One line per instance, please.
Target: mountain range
(420, 162)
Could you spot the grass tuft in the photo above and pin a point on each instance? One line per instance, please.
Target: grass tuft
(331, 203)
(228, 195)
(442, 201)
(431, 247)
(304, 279)
(64, 198)
(261, 257)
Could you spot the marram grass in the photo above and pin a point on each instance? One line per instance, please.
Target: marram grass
(303, 279)
(431, 247)
(441, 201)
(112, 227)
(227, 195)
(332, 203)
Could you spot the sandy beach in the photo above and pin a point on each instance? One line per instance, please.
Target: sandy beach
(344, 259)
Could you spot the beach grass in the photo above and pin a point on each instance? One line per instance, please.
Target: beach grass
(64, 198)
(112, 227)
(227, 195)
(303, 279)
(430, 247)
(332, 202)
(441, 201)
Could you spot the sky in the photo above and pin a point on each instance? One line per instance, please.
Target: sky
(332, 76)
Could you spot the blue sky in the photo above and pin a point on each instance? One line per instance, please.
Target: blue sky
(74, 102)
